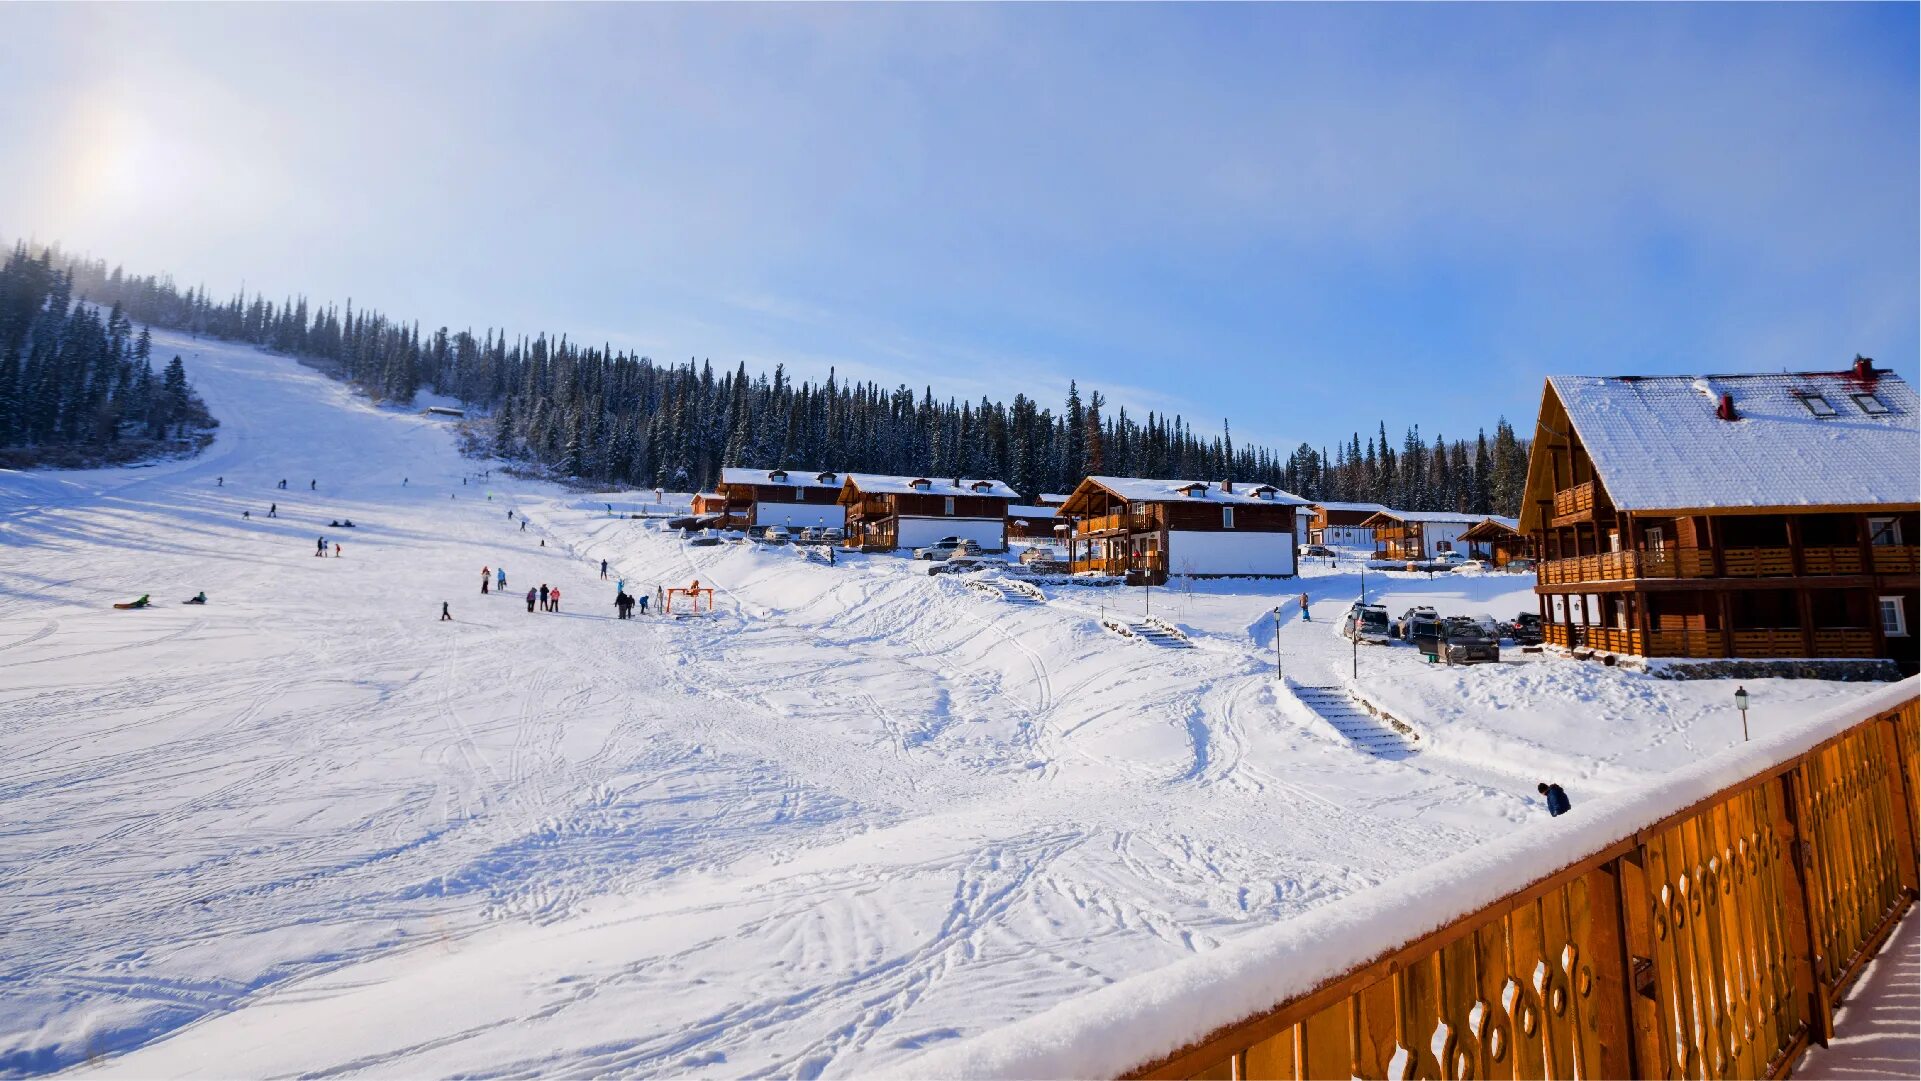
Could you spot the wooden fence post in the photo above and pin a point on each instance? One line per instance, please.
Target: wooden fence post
(1810, 969)
(1901, 796)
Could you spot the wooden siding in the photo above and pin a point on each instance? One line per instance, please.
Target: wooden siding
(1714, 944)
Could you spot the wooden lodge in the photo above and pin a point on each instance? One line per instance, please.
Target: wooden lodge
(1152, 530)
(712, 510)
(1030, 522)
(884, 513)
(1341, 525)
(1498, 540)
(1406, 535)
(795, 499)
(1742, 516)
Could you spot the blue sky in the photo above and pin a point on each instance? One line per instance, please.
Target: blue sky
(1302, 218)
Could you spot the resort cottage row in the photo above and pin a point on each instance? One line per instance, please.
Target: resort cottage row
(1769, 520)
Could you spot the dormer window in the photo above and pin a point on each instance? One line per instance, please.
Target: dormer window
(825, 478)
(980, 485)
(1872, 405)
(922, 484)
(1818, 405)
(778, 476)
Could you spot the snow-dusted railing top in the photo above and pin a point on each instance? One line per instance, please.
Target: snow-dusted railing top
(1131, 1025)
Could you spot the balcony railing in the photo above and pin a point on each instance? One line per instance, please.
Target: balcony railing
(1629, 566)
(1121, 522)
(1768, 562)
(1100, 565)
(1710, 644)
(1575, 502)
(1685, 937)
(1895, 558)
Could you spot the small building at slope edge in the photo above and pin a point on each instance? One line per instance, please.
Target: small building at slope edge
(1154, 530)
(1728, 516)
(1419, 534)
(1498, 540)
(1341, 524)
(886, 512)
(796, 499)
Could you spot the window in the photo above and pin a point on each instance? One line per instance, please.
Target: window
(1894, 620)
(1818, 405)
(1884, 531)
(800, 493)
(950, 506)
(1872, 405)
(1227, 517)
(1656, 538)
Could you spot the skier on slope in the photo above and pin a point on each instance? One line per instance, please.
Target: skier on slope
(500, 579)
(320, 547)
(445, 616)
(530, 600)
(553, 599)
(603, 570)
(273, 510)
(486, 579)
(543, 596)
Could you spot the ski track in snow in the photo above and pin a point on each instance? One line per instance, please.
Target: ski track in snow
(310, 829)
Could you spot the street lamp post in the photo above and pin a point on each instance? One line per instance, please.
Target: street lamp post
(1741, 703)
(1277, 641)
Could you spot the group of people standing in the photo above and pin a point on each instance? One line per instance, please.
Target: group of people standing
(549, 599)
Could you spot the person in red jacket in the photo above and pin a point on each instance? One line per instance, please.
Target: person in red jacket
(553, 599)
(486, 578)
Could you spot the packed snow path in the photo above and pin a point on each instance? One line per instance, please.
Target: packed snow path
(310, 828)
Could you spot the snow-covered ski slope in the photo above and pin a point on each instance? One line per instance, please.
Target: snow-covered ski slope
(309, 828)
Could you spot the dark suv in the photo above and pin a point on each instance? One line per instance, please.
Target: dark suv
(1463, 641)
(1526, 629)
(1422, 630)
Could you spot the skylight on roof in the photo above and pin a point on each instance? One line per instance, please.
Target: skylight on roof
(1818, 405)
(1872, 405)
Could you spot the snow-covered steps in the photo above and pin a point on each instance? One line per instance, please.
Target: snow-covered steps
(1356, 724)
(1005, 589)
(1159, 633)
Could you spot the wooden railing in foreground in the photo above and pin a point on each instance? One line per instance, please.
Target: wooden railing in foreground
(1713, 943)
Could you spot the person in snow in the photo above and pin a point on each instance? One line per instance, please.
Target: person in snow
(283, 484)
(1304, 615)
(510, 516)
(643, 604)
(273, 510)
(445, 616)
(320, 547)
(530, 600)
(553, 600)
(603, 570)
(197, 598)
(313, 485)
(336, 549)
(1557, 802)
(500, 579)
(220, 482)
(141, 603)
(523, 525)
(543, 596)
(246, 514)
(486, 579)
(403, 482)
(624, 606)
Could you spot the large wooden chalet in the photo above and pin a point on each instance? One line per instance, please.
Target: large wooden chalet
(1153, 530)
(1728, 516)
(1342, 525)
(797, 499)
(1418, 535)
(912, 512)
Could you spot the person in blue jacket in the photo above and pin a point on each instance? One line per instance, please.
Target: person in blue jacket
(1557, 802)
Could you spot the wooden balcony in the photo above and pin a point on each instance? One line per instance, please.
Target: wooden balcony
(1757, 562)
(1098, 565)
(1836, 560)
(1576, 504)
(1628, 566)
(1699, 938)
(1121, 522)
(1894, 558)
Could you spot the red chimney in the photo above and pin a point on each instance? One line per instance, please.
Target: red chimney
(1726, 409)
(1863, 370)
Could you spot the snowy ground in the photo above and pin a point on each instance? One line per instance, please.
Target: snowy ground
(857, 812)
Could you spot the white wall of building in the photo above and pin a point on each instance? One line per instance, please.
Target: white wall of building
(1435, 534)
(1348, 536)
(801, 515)
(989, 533)
(1229, 552)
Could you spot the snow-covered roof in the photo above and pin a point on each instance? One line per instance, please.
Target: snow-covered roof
(793, 478)
(1144, 490)
(1368, 508)
(1800, 439)
(1024, 510)
(877, 484)
(1512, 525)
(1434, 517)
(1053, 499)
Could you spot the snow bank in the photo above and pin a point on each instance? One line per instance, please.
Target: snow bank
(1153, 1014)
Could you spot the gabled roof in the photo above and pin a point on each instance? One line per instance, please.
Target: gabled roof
(877, 484)
(1493, 527)
(1426, 517)
(793, 478)
(1657, 442)
(1144, 490)
(1053, 499)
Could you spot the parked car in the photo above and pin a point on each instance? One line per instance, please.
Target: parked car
(940, 549)
(832, 535)
(1448, 559)
(1317, 550)
(706, 538)
(1525, 629)
(1465, 641)
(1366, 623)
(1424, 634)
(1473, 566)
(756, 532)
(776, 534)
(1400, 625)
(1520, 566)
